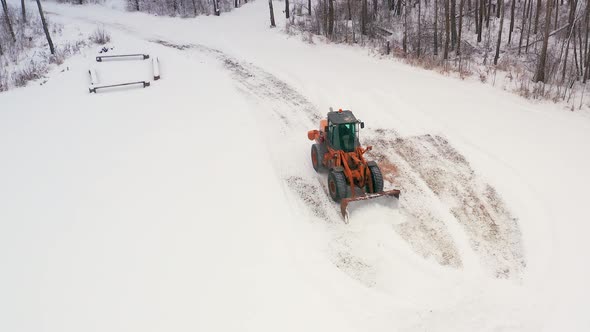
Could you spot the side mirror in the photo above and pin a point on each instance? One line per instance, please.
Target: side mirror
(362, 125)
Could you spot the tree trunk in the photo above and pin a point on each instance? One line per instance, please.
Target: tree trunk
(375, 8)
(535, 30)
(435, 27)
(405, 37)
(7, 20)
(586, 38)
(501, 8)
(576, 56)
(349, 10)
(24, 11)
(481, 14)
(272, 14)
(476, 16)
(586, 53)
(522, 25)
(528, 33)
(540, 74)
(488, 14)
(581, 49)
(216, 9)
(573, 4)
(460, 27)
(287, 8)
(556, 12)
(447, 30)
(512, 19)
(453, 24)
(194, 7)
(419, 28)
(49, 41)
(236, 3)
(331, 18)
(364, 17)
(309, 7)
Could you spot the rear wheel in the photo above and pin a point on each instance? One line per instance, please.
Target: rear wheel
(337, 185)
(376, 178)
(317, 155)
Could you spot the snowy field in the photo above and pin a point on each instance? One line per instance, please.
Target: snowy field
(192, 204)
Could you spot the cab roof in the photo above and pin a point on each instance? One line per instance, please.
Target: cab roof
(341, 117)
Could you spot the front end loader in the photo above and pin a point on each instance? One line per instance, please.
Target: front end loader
(337, 149)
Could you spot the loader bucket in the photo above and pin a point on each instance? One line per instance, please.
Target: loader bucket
(344, 202)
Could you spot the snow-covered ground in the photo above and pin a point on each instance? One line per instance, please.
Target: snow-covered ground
(192, 204)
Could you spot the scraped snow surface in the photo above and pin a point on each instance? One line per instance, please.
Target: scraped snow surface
(191, 205)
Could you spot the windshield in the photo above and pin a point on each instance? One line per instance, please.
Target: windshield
(343, 136)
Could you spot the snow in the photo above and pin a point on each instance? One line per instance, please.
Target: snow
(192, 204)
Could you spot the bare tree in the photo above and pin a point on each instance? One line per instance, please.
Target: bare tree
(513, 3)
(488, 14)
(216, 9)
(481, 14)
(540, 74)
(287, 8)
(7, 20)
(405, 37)
(419, 28)
(573, 4)
(364, 17)
(535, 30)
(309, 7)
(453, 24)
(447, 32)
(349, 10)
(23, 10)
(272, 14)
(528, 33)
(460, 27)
(330, 17)
(435, 27)
(49, 41)
(501, 8)
(522, 26)
(476, 16)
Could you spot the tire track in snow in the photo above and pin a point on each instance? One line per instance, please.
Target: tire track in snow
(444, 173)
(260, 83)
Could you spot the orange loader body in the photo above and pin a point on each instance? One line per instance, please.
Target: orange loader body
(337, 149)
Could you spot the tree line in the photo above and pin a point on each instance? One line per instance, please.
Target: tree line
(184, 8)
(549, 38)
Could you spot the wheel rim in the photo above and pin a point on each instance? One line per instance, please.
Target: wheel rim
(332, 186)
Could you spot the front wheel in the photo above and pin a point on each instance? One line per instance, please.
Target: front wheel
(376, 179)
(337, 185)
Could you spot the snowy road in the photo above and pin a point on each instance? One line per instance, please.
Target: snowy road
(192, 205)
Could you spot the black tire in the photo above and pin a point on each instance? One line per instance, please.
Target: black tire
(318, 152)
(337, 185)
(376, 178)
